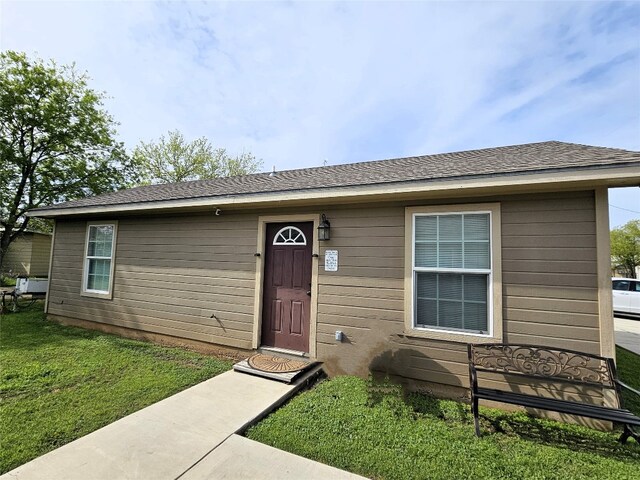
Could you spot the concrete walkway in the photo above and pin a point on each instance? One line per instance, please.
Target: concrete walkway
(628, 334)
(189, 435)
(241, 458)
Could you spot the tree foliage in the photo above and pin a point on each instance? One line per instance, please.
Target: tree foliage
(57, 142)
(625, 248)
(173, 159)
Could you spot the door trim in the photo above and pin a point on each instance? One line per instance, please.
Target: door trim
(257, 303)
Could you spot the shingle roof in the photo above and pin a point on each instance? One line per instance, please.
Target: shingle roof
(511, 160)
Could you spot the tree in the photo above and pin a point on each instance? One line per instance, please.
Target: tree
(173, 159)
(625, 248)
(57, 142)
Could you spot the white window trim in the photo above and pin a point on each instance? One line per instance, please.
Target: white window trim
(494, 294)
(85, 261)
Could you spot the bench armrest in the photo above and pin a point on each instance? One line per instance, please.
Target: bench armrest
(627, 387)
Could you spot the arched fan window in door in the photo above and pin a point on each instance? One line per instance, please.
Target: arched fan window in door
(289, 236)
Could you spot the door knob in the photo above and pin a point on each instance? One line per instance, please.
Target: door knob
(309, 292)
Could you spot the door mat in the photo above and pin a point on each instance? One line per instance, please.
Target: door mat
(269, 363)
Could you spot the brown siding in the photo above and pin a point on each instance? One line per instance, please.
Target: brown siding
(173, 273)
(29, 255)
(549, 288)
(187, 276)
(40, 251)
(18, 258)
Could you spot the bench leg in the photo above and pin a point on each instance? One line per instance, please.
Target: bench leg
(474, 410)
(626, 433)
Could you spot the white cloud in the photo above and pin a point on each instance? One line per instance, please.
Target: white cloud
(297, 83)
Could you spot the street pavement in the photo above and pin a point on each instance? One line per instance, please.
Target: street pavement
(628, 333)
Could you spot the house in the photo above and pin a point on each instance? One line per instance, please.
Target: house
(28, 255)
(424, 255)
(621, 272)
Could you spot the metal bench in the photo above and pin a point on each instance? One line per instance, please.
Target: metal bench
(552, 366)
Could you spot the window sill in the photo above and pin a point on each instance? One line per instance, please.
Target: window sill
(104, 296)
(451, 337)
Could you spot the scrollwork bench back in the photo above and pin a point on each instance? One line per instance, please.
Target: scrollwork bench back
(549, 365)
(544, 363)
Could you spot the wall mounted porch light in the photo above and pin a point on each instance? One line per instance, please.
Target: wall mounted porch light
(324, 229)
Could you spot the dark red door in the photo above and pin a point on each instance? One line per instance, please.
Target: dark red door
(287, 286)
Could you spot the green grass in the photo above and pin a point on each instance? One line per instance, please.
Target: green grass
(59, 383)
(377, 431)
(628, 364)
(6, 281)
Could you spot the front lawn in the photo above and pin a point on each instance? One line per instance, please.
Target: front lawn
(376, 431)
(628, 364)
(59, 383)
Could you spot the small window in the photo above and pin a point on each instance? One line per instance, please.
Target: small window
(289, 236)
(98, 259)
(635, 287)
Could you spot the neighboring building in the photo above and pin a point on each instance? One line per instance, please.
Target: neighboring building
(425, 254)
(621, 272)
(28, 255)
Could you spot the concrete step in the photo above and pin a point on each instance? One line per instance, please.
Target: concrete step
(284, 352)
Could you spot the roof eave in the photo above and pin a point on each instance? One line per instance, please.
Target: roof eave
(619, 176)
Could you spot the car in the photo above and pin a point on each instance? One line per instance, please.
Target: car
(626, 296)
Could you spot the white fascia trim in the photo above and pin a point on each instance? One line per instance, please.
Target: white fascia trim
(620, 176)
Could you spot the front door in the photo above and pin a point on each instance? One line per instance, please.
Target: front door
(286, 301)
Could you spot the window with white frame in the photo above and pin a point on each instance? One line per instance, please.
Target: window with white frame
(452, 272)
(98, 263)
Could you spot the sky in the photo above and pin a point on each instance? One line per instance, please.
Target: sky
(299, 84)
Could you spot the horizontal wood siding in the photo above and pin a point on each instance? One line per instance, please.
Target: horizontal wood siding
(193, 276)
(17, 261)
(549, 288)
(187, 276)
(40, 253)
(551, 299)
